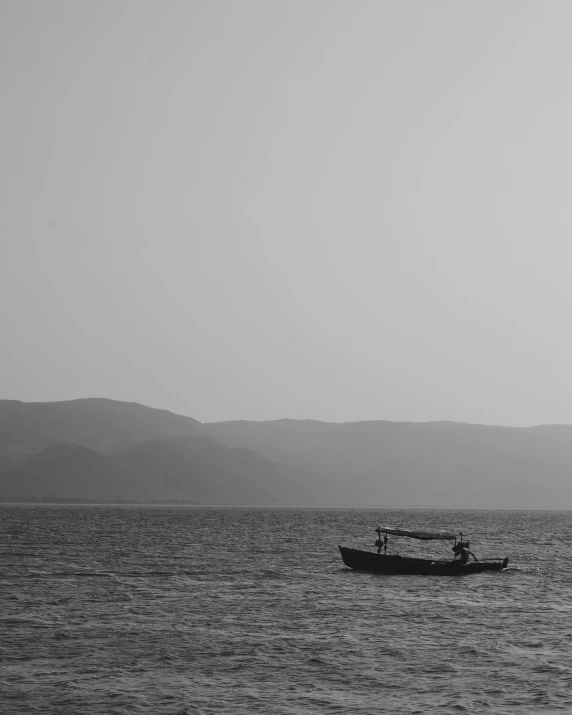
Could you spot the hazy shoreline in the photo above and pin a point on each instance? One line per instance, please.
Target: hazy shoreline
(284, 506)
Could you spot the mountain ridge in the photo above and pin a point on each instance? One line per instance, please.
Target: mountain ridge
(438, 463)
(193, 471)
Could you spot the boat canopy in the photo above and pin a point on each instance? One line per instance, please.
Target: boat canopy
(418, 534)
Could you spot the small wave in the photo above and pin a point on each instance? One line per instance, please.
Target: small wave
(60, 636)
(144, 574)
(457, 707)
(441, 668)
(83, 574)
(552, 668)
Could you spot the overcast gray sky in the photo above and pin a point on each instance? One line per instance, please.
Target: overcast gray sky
(253, 210)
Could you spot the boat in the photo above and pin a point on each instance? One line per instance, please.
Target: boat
(396, 564)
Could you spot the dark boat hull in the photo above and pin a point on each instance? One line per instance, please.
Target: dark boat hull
(393, 564)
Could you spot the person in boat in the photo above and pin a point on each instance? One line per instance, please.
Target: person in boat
(462, 549)
(381, 543)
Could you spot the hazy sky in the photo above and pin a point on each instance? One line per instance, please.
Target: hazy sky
(253, 210)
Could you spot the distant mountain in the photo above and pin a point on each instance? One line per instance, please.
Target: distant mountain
(196, 471)
(421, 464)
(102, 425)
(117, 450)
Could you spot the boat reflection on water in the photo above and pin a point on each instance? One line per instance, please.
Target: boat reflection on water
(395, 564)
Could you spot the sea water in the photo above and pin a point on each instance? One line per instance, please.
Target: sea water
(130, 609)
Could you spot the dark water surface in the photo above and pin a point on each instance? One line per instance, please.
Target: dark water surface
(238, 610)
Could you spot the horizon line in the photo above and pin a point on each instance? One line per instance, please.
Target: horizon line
(289, 419)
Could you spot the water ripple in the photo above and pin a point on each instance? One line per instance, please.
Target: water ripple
(207, 610)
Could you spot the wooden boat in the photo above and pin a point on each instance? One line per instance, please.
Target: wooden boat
(395, 564)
